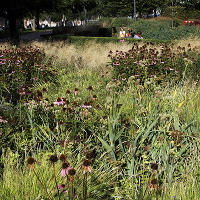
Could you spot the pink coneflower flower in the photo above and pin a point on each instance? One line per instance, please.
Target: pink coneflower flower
(116, 63)
(62, 186)
(76, 91)
(86, 106)
(176, 71)
(123, 79)
(35, 78)
(65, 169)
(59, 102)
(3, 120)
(171, 69)
(122, 40)
(86, 166)
(152, 75)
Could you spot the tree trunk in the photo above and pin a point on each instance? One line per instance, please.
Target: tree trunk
(37, 19)
(14, 33)
(85, 15)
(33, 24)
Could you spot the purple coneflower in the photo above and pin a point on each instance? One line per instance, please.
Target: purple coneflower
(65, 169)
(86, 166)
(59, 102)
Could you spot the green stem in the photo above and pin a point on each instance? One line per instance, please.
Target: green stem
(148, 182)
(85, 185)
(45, 189)
(54, 172)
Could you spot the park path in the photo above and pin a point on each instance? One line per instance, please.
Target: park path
(34, 35)
(27, 37)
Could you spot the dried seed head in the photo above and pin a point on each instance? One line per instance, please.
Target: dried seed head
(68, 92)
(76, 89)
(94, 96)
(146, 148)
(31, 161)
(86, 163)
(90, 155)
(72, 172)
(53, 158)
(44, 90)
(39, 93)
(154, 182)
(90, 88)
(62, 143)
(75, 103)
(62, 157)
(59, 99)
(65, 165)
(154, 166)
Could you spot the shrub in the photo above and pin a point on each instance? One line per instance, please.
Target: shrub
(87, 30)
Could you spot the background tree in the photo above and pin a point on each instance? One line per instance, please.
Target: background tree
(15, 10)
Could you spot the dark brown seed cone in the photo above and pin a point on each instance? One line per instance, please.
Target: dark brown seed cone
(154, 182)
(68, 92)
(86, 163)
(62, 157)
(31, 161)
(53, 158)
(65, 165)
(72, 172)
(154, 166)
(90, 88)
(89, 155)
(76, 89)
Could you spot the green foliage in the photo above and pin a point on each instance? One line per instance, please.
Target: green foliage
(156, 29)
(19, 180)
(130, 123)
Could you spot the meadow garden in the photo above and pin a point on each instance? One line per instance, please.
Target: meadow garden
(96, 118)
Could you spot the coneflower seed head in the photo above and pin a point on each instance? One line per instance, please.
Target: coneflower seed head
(53, 158)
(86, 163)
(72, 172)
(65, 165)
(154, 166)
(62, 157)
(154, 182)
(30, 160)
